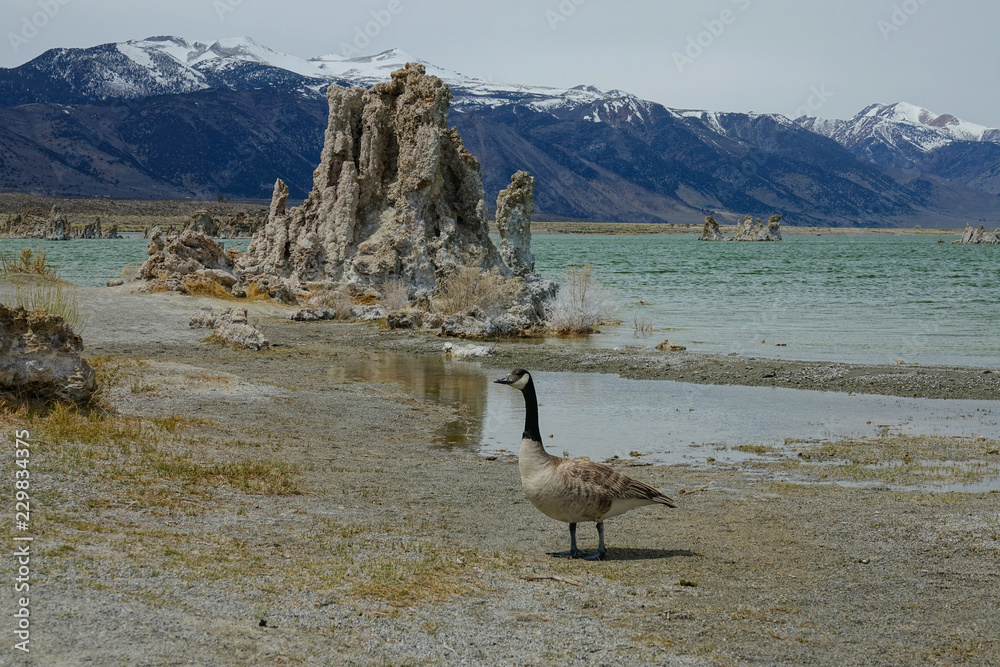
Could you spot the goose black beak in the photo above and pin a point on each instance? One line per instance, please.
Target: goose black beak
(503, 380)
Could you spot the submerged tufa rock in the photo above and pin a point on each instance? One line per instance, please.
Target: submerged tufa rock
(711, 231)
(748, 230)
(515, 204)
(40, 357)
(980, 235)
(751, 230)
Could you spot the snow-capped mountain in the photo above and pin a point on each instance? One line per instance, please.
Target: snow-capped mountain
(173, 117)
(172, 65)
(898, 135)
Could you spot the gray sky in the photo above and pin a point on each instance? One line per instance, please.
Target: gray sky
(779, 56)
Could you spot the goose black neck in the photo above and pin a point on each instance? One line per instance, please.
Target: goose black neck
(531, 431)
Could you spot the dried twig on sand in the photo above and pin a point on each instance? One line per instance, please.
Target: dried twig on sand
(554, 577)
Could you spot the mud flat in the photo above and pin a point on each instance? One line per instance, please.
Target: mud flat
(258, 508)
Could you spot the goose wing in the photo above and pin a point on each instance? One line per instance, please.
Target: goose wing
(599, 481)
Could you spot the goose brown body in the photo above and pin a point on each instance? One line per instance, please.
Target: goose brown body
(573, 490)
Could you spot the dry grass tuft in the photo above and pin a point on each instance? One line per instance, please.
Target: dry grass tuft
(275, 478)
(55, 297)
(199, 286)
(255, 293)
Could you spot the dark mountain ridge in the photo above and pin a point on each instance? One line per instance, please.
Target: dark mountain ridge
(168, 118)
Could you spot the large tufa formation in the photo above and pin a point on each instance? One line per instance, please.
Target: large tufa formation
(396, 195)
(515, 204)
(397, 203)
(40, 357)
(980, 235)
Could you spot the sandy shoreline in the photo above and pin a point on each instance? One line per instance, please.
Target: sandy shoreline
(250, 508)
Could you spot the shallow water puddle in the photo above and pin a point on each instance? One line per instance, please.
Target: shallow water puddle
(601, 415)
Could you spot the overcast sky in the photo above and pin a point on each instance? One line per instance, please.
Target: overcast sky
(831, 57)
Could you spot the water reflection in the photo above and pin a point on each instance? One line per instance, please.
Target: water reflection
(600, 415)
(461, 385)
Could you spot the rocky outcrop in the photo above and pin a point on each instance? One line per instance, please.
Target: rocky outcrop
(240, 225)
(515, 204)
(980, 235)
(59, 228)
(754, 230)
(181, 262)
(202, 221)
(94, 230)
(230, 326)
(35, 224)
(54, 226)
(711, 231)
(40, 357)
(748, 230)
(396, 199)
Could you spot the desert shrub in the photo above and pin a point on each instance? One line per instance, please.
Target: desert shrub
(395, 294)
(130, 272)
(334, 299)
(471, 286)
(581, 303)
(28, 261)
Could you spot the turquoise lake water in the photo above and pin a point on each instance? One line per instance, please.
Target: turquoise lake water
(851, 298)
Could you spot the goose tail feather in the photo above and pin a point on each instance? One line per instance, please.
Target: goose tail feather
(664, 500)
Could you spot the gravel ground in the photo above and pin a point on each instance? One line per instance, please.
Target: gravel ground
(248, 508)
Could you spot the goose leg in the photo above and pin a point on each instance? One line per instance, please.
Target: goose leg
(573, 551)
(601, 550)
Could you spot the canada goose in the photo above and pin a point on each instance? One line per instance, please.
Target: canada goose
(572, 490)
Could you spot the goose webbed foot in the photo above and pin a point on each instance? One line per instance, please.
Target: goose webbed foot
(572, 553)
(576, 553)
(601, 549)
